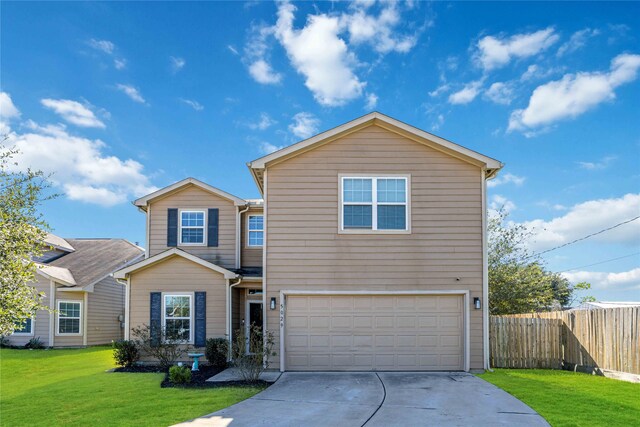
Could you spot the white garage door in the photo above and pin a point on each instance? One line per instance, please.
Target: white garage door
(374, 332)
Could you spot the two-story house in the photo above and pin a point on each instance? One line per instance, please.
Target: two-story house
(367, 252)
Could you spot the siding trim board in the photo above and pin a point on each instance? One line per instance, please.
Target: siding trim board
(462, 293)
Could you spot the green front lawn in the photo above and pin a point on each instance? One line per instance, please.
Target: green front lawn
(71, 388)
(566, 398)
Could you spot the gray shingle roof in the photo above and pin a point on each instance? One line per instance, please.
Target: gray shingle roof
(94, 259)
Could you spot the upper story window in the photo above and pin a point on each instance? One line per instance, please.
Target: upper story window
(192, 228)
(256, 230)
(374, 204)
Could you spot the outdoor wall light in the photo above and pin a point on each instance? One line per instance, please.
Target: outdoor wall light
(476, 303)
(272, 305)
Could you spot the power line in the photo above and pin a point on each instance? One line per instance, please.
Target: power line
(584, 238)
(600, 262)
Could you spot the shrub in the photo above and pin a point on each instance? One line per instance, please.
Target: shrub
(125, 352)
(260, 345)
(162, 344)
(180, 374)
(217, 350)
(34, 344)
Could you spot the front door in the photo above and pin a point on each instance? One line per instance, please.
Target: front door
(254, 317)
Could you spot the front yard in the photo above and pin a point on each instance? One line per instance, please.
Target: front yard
(71, 388)
(566, 398)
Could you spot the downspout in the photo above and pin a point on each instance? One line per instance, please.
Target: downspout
(52, 306)
(239, 235)
(485, 275)
(85, 320)
(230, 312)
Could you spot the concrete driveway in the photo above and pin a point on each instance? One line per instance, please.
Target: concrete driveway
(355, 399)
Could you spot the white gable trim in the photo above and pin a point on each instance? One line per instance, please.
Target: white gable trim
(122, 274)
(57, 274)
(374, 117)
(144, 201)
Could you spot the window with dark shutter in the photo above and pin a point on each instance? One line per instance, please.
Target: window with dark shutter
(200, 337)
(172, 227)
(155, 317)
(212, 228)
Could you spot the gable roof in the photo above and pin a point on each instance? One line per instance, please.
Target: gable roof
(93, 260)
(57, 274)
(170, 253)
(143, 202)
(57, 242)
(258, 166)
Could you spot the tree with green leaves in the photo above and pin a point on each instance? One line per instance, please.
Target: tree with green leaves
(518, 279)
(22, 233)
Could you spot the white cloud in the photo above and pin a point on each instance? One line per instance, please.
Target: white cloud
(379, 31)
(574, 94)
(193, 104)
(500, 93)
(589, 217)
(319, 50)
(603, 280)
(499, 202)
(467, 94)
(577, 41)
(304, 125)
(601, 164)
(73, 112)
(131, 92)
(233, 49)
(268, 148)
(439, 121)
(320, 55)
(440, 90)
(263, 123)
(507, 178)
(262, 72)
(83, 171)
(7, 109)
(102, 45)
(120, 63)
(495, 52)
(177, 63)
(372, 102)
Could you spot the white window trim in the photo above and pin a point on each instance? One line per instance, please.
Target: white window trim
(191, 313)
(28, 334)
(374, 203)
(60, 334)
(249, 245)
(204, 227)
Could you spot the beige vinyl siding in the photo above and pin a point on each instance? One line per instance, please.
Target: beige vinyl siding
(69, 340)
(192, 197)
(177, 274)
(305, 251)
(251, 256)
(106, 303)
(41, 325)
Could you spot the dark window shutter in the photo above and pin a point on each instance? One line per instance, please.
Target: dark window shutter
(212, 228)
(200, 336)
(155, 321)
(172, 227)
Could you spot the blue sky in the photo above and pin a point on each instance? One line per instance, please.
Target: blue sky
(117, 99)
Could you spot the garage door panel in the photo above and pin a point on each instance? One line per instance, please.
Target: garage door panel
(374, 332)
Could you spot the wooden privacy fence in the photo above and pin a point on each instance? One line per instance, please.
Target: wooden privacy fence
(607, 339)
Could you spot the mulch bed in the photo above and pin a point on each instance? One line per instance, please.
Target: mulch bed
(198, 378)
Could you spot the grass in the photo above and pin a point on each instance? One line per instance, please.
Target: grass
(566, 398)
(71, 388)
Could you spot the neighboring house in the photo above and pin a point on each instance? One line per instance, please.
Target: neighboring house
(76, 276)
(368, 252)
(592, 305)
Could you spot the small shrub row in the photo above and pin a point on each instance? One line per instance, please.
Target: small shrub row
(180, 374)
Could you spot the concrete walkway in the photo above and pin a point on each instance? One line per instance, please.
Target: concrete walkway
(355, 399)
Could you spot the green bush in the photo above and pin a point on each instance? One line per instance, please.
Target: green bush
(180, 374)
(216, 351)
(125, 352)
(35, 344)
